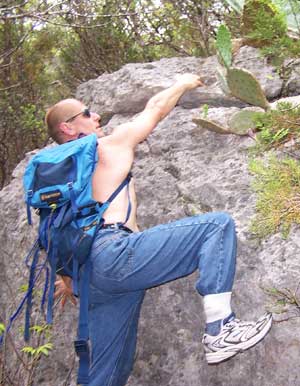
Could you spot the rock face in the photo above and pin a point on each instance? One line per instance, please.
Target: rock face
(180, 170)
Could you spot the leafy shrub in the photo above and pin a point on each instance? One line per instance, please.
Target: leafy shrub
(278, 197)
(263, 22)
(278, 126)
(282, 48)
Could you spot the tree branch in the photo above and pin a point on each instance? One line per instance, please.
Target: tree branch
(10, 87)
(21, 41)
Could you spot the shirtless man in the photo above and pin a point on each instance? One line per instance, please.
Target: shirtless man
(126, 262)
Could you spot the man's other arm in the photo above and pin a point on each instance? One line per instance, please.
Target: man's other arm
(157, 108)
(64, 290)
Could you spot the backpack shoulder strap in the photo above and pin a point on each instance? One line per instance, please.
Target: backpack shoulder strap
(120, 187)
(81, 344)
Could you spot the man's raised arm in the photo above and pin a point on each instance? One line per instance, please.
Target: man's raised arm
(157, 108)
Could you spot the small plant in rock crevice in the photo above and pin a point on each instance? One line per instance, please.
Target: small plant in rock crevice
(277, 180)
(276, 127)
(276, 183)
(284, 301)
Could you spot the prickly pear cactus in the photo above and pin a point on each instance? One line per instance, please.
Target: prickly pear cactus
(242, 121)
(221, 75)
(243, 85)
(211, 126)
(224, 46)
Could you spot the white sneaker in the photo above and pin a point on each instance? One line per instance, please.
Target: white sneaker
(235, 336)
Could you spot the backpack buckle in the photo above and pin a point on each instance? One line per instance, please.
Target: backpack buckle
(82, 350)
(81, 346)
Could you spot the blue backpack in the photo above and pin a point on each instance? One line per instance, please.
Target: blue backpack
(58, 184)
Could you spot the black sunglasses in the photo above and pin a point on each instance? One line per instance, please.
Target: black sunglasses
(85, 112)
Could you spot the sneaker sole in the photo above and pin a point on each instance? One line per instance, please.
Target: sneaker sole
(222, 355)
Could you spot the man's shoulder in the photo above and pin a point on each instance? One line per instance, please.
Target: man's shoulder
(111, 141)
(106, 142)
(112, 149)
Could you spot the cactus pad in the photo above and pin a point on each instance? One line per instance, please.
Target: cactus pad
(244, 86)
(222, 81)
(223, 45)
(241, 122)
(211, 126)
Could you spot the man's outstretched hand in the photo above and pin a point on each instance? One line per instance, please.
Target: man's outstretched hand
(190, 81)
(64, 291)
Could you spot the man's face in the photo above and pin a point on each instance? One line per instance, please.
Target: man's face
(82, 120)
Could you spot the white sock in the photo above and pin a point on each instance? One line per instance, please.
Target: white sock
(217, 306)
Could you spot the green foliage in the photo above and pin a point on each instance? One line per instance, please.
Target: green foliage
(289, 8)
(25, 90)
(280, 49)
(224, 46)
(205, 108)
(31, 120)
(23, 288)
(2, 328)
(278, 200)
(266, 24)
(243, 85)
(147, 33)
(263, 21)
(27, 358)
(283, 300)
(42, 329)
(278, 126)
(36, 352)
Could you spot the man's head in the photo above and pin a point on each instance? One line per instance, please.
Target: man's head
(69, 118)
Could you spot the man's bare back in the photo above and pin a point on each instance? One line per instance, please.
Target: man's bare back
(112, 168)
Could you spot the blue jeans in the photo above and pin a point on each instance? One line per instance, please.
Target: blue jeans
(126, 264)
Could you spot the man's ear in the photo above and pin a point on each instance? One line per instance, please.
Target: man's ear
(67, 129)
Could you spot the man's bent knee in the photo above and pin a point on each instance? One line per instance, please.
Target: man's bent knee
(221, 218)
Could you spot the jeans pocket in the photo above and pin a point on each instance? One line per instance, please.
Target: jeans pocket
(101, 243)
(126, 267)
(114, 264)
